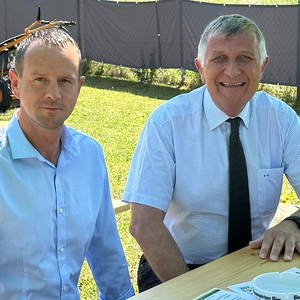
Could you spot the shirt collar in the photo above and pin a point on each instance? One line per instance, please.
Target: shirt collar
(215, 116)
(21, 148)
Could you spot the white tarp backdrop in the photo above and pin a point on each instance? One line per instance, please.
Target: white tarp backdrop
(159, 34)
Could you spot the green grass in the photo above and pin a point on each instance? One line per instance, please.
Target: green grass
(113, 111)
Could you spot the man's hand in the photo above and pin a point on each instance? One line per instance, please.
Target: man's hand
(285, 235)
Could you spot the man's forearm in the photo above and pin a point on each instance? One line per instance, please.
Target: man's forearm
(155, 240)
(164, 256)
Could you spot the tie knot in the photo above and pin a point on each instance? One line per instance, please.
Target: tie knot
(235, 124)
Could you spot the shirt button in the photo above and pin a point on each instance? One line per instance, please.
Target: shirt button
(62, 249)
(65, 288)
(60, 210)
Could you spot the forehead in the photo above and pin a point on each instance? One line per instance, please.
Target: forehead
(235, 43)
(39, 45)
(39, 53)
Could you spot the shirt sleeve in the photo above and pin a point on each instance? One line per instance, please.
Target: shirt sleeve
(105, 254)
(153, 161)
(292, 151)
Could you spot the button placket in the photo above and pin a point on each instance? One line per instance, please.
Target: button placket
(61, 235)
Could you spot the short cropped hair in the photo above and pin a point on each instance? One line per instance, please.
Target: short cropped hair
(52, 36)
(231, 25)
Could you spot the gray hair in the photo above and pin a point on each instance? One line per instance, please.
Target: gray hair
(52, 36)
(231, 25)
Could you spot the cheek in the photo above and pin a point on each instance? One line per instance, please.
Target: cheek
(212, 72)
(209, 77)
(30, 94)
(69, 96)
(255, 76)
(204, 75)
(27, 87)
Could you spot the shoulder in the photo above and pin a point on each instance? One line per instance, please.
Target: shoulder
(185, 104)
(266, 109)
(76, 138)
(263, 101)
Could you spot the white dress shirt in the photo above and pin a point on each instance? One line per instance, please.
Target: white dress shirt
(180, 166)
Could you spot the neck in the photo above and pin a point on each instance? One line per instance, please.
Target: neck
(46, 141)
(48, 146)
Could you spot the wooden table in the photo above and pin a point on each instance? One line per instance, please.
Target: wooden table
(120, 206)
(240, 266)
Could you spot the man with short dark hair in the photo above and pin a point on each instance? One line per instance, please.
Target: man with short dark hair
(55, 205)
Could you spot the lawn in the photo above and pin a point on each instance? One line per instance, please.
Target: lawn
(113, 111)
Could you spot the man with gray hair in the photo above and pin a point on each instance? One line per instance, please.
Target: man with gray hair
(55, 205)
(179, 182)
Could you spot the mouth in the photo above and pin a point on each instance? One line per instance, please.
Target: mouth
(227, 84)
(51, 107)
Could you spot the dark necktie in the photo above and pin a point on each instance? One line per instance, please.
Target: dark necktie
(239, 225)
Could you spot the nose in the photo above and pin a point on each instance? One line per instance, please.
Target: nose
(53, 91)
(232, 68)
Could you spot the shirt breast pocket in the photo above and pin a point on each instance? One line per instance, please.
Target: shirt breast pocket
(269, 189)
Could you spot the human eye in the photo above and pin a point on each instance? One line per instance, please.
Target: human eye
(65, 81)
(40, 79)
(220, 59)
(244, 58)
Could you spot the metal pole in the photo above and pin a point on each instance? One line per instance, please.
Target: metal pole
(159, 33)
(181, 32)
(78, 23)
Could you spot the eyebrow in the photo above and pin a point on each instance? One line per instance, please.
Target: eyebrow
(42, 74)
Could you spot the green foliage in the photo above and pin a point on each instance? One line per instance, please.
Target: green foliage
(286, 93)
(170, 77)
(145, 75)
(94, 68)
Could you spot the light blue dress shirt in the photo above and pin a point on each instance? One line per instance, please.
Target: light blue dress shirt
(51, 218)
(180, 166)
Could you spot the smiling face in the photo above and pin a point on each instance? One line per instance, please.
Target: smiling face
(49, 85)
(231, 71)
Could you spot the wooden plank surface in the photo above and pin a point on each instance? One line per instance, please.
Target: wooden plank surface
(237, 267)
(120, 206)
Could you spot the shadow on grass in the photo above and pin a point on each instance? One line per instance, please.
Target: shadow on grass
(136, 88)
(296, 107)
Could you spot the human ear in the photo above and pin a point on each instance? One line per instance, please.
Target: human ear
(264, 65)
(80, 83)
(14, 82)
(199, 67)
